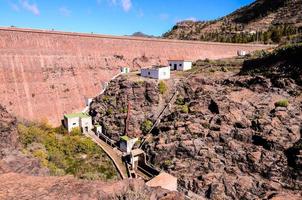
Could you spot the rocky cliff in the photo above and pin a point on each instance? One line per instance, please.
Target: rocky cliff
(44, 74)
(261, 21)
(225, 136)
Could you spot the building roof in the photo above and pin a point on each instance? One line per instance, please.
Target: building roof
(136, 152)
(164, 180)
(125, 138)
(155, 67)
(74, 115)
(180, 60)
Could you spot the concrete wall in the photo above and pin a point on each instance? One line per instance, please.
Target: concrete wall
(44, 74)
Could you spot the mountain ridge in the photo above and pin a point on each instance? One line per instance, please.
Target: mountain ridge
(263, 21)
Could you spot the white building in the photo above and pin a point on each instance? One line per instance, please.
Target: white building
(180, 65)
(88, 101)
(156, 72)
(125, 70)
(126, 143)
(78, 120)
(241, 53)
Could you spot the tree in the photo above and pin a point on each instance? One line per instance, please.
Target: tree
(276, 35)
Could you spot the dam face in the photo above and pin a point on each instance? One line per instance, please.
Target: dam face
(44, 74)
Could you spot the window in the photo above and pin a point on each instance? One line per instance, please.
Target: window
(180, 65)
(170, 65)
(149, 73)
(74, 124)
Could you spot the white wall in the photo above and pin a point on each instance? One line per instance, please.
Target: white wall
(187, 65)
(164, 73)
(71, 123)
(156, 73)
(180, 65)
(86, 122)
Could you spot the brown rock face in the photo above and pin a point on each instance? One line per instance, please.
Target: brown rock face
(223, 136)
(17, 186)
(11, 158)
(44, 74)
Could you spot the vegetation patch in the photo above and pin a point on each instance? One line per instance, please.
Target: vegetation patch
(162, 87)
(184, 108)
(64, 153)
(282, 103)
(180, 100)
(146, 126)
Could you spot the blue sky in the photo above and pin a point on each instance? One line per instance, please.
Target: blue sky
(116, 17)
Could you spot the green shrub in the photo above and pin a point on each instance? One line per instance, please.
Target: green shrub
(282, 103)
(109, 111)
(184, 108)
(76, 131)
(180, 100)
(162, 87)
(146, 126)
(168, 163)
(63, 154)
(212, 70)
(224, 69)
(106, 99)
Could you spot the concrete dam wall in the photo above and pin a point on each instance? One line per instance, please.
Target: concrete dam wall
(44, 74)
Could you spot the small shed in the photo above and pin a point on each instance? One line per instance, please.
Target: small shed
(125, 70)
(165, 181)
(180, 65)
(75, 120)
(156, 72)
(88, 101)
(242, 53)
(126, 143)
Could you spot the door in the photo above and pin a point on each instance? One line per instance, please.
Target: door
(86, 129)
(175, 66)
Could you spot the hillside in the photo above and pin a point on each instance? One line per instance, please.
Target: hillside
(268, 21)
(26, 155)
(226, 135)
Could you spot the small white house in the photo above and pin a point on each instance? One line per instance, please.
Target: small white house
(126, 143)
(156, 72)
(241, 53)
(88, 101)
(180, 65)
(125, 70)
(81, 120)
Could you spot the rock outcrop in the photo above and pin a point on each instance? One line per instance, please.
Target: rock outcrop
(11, 157)
(225, 136)
(17, 186)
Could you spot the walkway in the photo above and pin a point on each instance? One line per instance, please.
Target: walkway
(112, 153)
